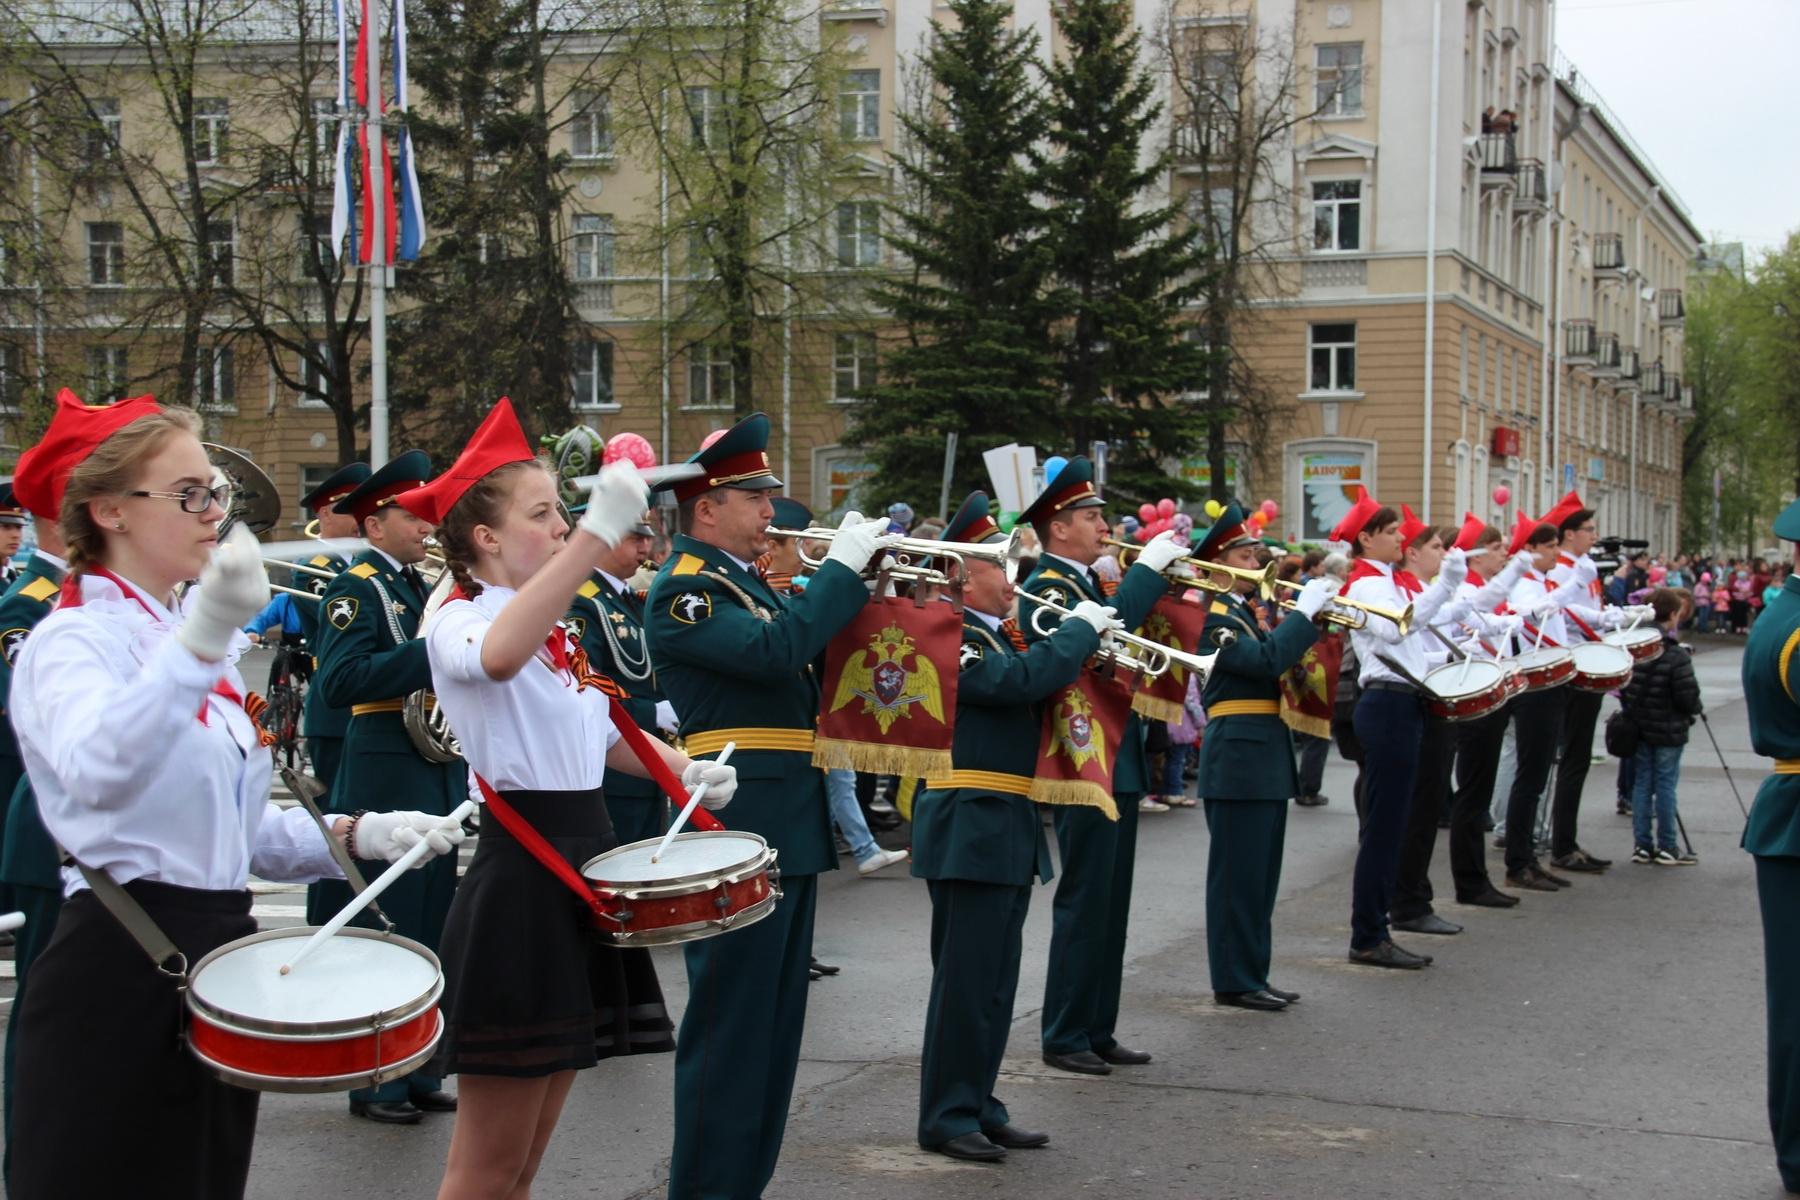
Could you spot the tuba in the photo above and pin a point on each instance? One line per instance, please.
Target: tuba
(425, 722)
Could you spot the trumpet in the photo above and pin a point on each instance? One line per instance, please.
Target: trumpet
(1362, 611)
(912, 556)
(1147, 658)
(1264, 579)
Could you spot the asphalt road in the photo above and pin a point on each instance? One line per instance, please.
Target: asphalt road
(1606, 1041)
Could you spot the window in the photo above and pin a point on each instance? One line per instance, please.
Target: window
(106, 253)
(858, 233)
(316, 366)
(1211, 210)
(12, 375)
(311, 480)
(212, 121)
(1333, 353)
(491, 249)
(324, 135)
(590, 129)
(106, 134)
(313, 254)
(706, 116)
(215, 384)
(107, 374)
(712, 382)
(853, 365)
(1337, 215)
(591, 373)
(1325, 473)
(1337, 83)
(1201, 388)
(859, 106)
(591, 249)
(1217, 85)
(217, 253)
(699, 254)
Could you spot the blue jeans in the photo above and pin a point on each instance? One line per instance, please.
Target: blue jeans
(840, 794)
(1658, 767)
(1174, 759)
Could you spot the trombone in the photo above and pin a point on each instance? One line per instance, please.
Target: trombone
(1360, 614)
(1264, 578)
(1147, 658)
(912, 556)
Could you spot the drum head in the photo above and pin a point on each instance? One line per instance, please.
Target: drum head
(1631, 637)
(1543, 656)
(689, 855)
(1597, 658)
(1464, 678)
(346, 979)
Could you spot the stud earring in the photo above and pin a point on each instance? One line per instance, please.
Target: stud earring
(120, 527)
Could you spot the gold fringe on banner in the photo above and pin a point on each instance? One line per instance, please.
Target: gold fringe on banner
(1074, 791)
(1301, 722)
(873, 758)
(1155, 708)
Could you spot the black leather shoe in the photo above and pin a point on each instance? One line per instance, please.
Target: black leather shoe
(1287, 997)
(1429, 923)
(1258, 1001)
(398, 1113)
(970, 1147)
(1580, 860)
(1550, 877)
(1389, 955)
(1011, 1137)
(1312, 801)
(1082, 1062)
(1492, 898)
(1119, 1056)
(433, 1101)
(825, 968)
(813, 974)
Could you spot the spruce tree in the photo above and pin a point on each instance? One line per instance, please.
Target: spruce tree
(1124, 266)
(974, 354)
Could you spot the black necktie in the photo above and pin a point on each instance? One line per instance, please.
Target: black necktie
(414, 580)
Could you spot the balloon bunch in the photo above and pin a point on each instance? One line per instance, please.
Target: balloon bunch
(1157, 518)
(1265, 512)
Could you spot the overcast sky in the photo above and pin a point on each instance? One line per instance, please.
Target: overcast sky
(1707, 88)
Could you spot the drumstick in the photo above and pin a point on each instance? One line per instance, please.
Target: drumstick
(687, 810)
(11, 921)
(385, 880)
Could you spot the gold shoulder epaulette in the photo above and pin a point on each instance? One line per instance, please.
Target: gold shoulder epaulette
(1052, 573)
(320, 560)
(1219, 608)
(364, 570)
(687, 564)
(39, 589)
(588, 590)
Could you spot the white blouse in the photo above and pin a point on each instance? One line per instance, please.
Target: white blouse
(129, 780)
(1379, 636)
(534, 732)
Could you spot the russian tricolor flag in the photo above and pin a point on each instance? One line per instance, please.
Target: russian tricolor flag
(403, 224)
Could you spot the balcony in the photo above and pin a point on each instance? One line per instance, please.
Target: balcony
(1651, 382)
(1687, 401)
(1609, 256)
(1208, 142)
(593, 298)
(1529, 192)
(1628, 364)
(1606, 355)
(1499, 159)
(1669, 307)
(1578, 342)
(1672, 389)
(856, 10)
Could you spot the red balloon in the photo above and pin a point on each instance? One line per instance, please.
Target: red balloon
(1270, 509)
(1143, 534)
(712, 437)
(1502, 494)
(631, 447)
(1165, 507)
(1146, 512)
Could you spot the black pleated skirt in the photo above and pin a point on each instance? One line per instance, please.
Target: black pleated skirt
(108, 1100)
(529, 988)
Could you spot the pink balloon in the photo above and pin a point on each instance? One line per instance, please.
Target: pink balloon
(712, 437)
(630, 447)
(1165, 507)
(1502, 495)
(1143, 533)
(1270, 509)
(1146, 512)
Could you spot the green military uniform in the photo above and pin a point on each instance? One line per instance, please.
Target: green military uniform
(1092, 908)
(979, 841)
(370, 659)
(1246, 774)
(609, 625)
(29, 862)
(324, 725)
(737, 660)
(1772, 694)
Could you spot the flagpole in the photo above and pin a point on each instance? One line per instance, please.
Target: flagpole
(377, 185)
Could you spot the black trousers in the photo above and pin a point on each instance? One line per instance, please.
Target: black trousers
(1477, 763)
(1537, 724)
(1388, 723)
(1572, 771)
(1311, 753)
(110, 1101)
(1412, 886)
(1343, 729)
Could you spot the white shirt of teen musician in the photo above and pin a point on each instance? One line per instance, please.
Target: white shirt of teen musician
(129, 780)
(1380, 636)
(534, 732)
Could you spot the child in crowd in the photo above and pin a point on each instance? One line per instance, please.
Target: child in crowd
(1663, 698)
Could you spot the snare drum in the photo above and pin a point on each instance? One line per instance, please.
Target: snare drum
(1464, 691)
(1644, 645)
(1545, 667)
(1600, 667)
(707, 884)
(361, 1010)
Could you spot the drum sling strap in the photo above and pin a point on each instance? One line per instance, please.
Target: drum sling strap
(138, 923)
(307, 790)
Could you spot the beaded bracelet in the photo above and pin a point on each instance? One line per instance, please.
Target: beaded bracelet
(350, 833)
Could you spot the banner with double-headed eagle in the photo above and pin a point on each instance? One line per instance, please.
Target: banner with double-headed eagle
(1309, 689)
(1078, 751)
(1175, 623)
(889, 697)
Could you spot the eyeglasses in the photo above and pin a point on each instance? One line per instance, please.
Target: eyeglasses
(196, 499)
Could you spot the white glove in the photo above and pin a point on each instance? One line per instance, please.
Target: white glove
(616, 502)
(665, 718)
(720, 780)
(1455, 567)
(1162, 550)
(1104, 620)
(233, 588)
(1524, 560)
(1585, 571)
(1542, 611)
(1316, 595)
(858, 540)
(389, 835)
(1639, 613)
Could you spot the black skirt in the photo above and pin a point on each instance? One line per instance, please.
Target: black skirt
(529, 988)
(108, 1100)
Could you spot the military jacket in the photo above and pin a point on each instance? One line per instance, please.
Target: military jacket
(1139, 590)
(28, 854)
(1771, 676)
(29, 600)
(1249, 756)
(984, 834)
(318, 719)
(619, 655)
(736, 659)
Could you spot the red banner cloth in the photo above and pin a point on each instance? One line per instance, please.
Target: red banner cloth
(1309, 689)
(888, 704)
(1078, 751)
(1175, 623)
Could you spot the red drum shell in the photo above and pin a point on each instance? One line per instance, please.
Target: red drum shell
(1546, 667)
(1464, 692)
(731, 882)
(1644, 645)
